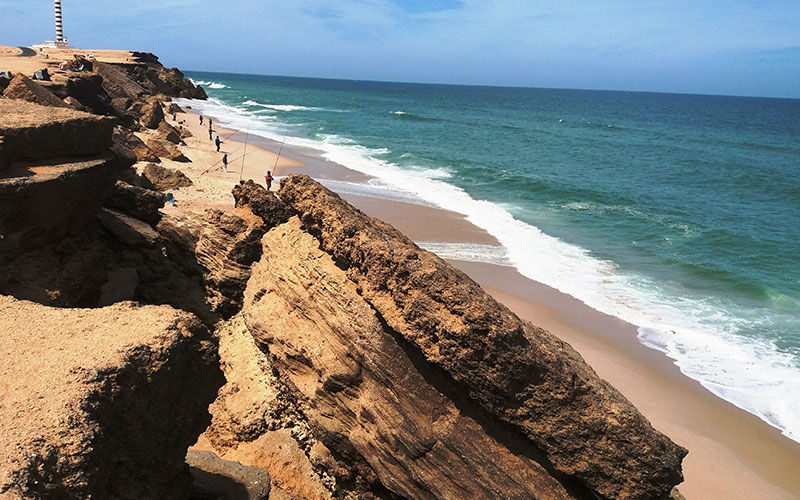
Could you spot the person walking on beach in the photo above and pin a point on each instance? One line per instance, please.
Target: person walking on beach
(225, 163)
(201, 119)
(217, 142)
(210, 132)
(269, 180)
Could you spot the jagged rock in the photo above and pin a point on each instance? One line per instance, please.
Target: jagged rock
(22, 87)
(392, 420)
(517, 373)
(152, 114)
(261, 202)
(86, 88)
(121, 105)
(166, 150)
(162, 178)
(184, 132)
(75, 104)
(130, 231)
(226, 249)
(101, 403)
(193, 93)
(168, 133)
(130, 147)
(225, 478)
(174, 108)
(138, 202)
(116, 82)
(252, 421)
(43, 203)
(34, 132)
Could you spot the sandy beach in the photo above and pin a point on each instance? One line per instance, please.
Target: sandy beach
(732, 454)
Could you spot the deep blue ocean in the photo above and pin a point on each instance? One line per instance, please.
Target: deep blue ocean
(678, 213)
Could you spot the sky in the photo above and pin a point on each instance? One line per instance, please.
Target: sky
(732, 47)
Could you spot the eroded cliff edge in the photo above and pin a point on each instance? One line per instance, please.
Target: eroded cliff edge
(357, 365)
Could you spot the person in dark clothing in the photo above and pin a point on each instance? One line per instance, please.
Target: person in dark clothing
(210, 133)
(217, 142)
(225, 163)
(269, 180)
(201, 119)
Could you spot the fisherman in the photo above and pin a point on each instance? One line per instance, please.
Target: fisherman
(201, 119)
(210, 132)
(225, 163)
(217, 142)
(269, 180)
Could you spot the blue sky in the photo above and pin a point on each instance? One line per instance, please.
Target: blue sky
(739, 47)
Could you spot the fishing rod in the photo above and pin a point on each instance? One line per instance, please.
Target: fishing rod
(241, 170)
(279, 152)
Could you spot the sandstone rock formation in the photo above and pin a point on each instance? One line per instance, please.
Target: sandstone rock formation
(102, 419)
(162, 178)
(128, 146)
(519, 376)
(168, 133)
(261, 202)
(136, 201)
(166, 150)
(22, 87)
(34, 132)
(152, 114)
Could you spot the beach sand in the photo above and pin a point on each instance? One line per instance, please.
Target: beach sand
(732, 454)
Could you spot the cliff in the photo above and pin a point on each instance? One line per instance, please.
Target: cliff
(356, 365)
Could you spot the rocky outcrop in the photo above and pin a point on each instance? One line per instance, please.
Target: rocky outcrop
(144, 204)
(256, 422)
(47, 201)
(22, 87)
(85, 418)
(261, 202)
(34, 132)
(128, 146)
(390, 423)
(228, 246)
(518, 375)
(152, 114)
(116, 81)
(162, 178)
(164, 149)
(168, 133)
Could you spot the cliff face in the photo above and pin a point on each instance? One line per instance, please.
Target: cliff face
(357, 364)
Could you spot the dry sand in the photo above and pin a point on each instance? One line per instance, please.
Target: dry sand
(732, 454)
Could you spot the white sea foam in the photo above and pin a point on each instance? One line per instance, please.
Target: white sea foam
(287, 107)
(699, 334)
(211, 85)
(470, 252)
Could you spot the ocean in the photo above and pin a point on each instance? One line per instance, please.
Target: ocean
(677, 213)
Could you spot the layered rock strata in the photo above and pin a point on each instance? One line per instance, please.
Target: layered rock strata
(84, 418)
(519, 377)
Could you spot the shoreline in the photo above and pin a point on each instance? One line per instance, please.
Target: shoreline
(732, 454)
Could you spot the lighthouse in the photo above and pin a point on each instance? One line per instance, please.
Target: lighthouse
(60, 40)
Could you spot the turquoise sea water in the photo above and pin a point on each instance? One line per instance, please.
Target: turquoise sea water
(678, 213)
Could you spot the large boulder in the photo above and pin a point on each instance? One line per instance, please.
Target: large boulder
(22, 87)
(126, 145)
(390, 422)
(520, 375)
(152, 114)
(116, 81)
(261, 202)
(101, 403)
(34, 132)
(168, 133)
(141, 203)
(161, 178)
(44, 203)
(164, 149)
